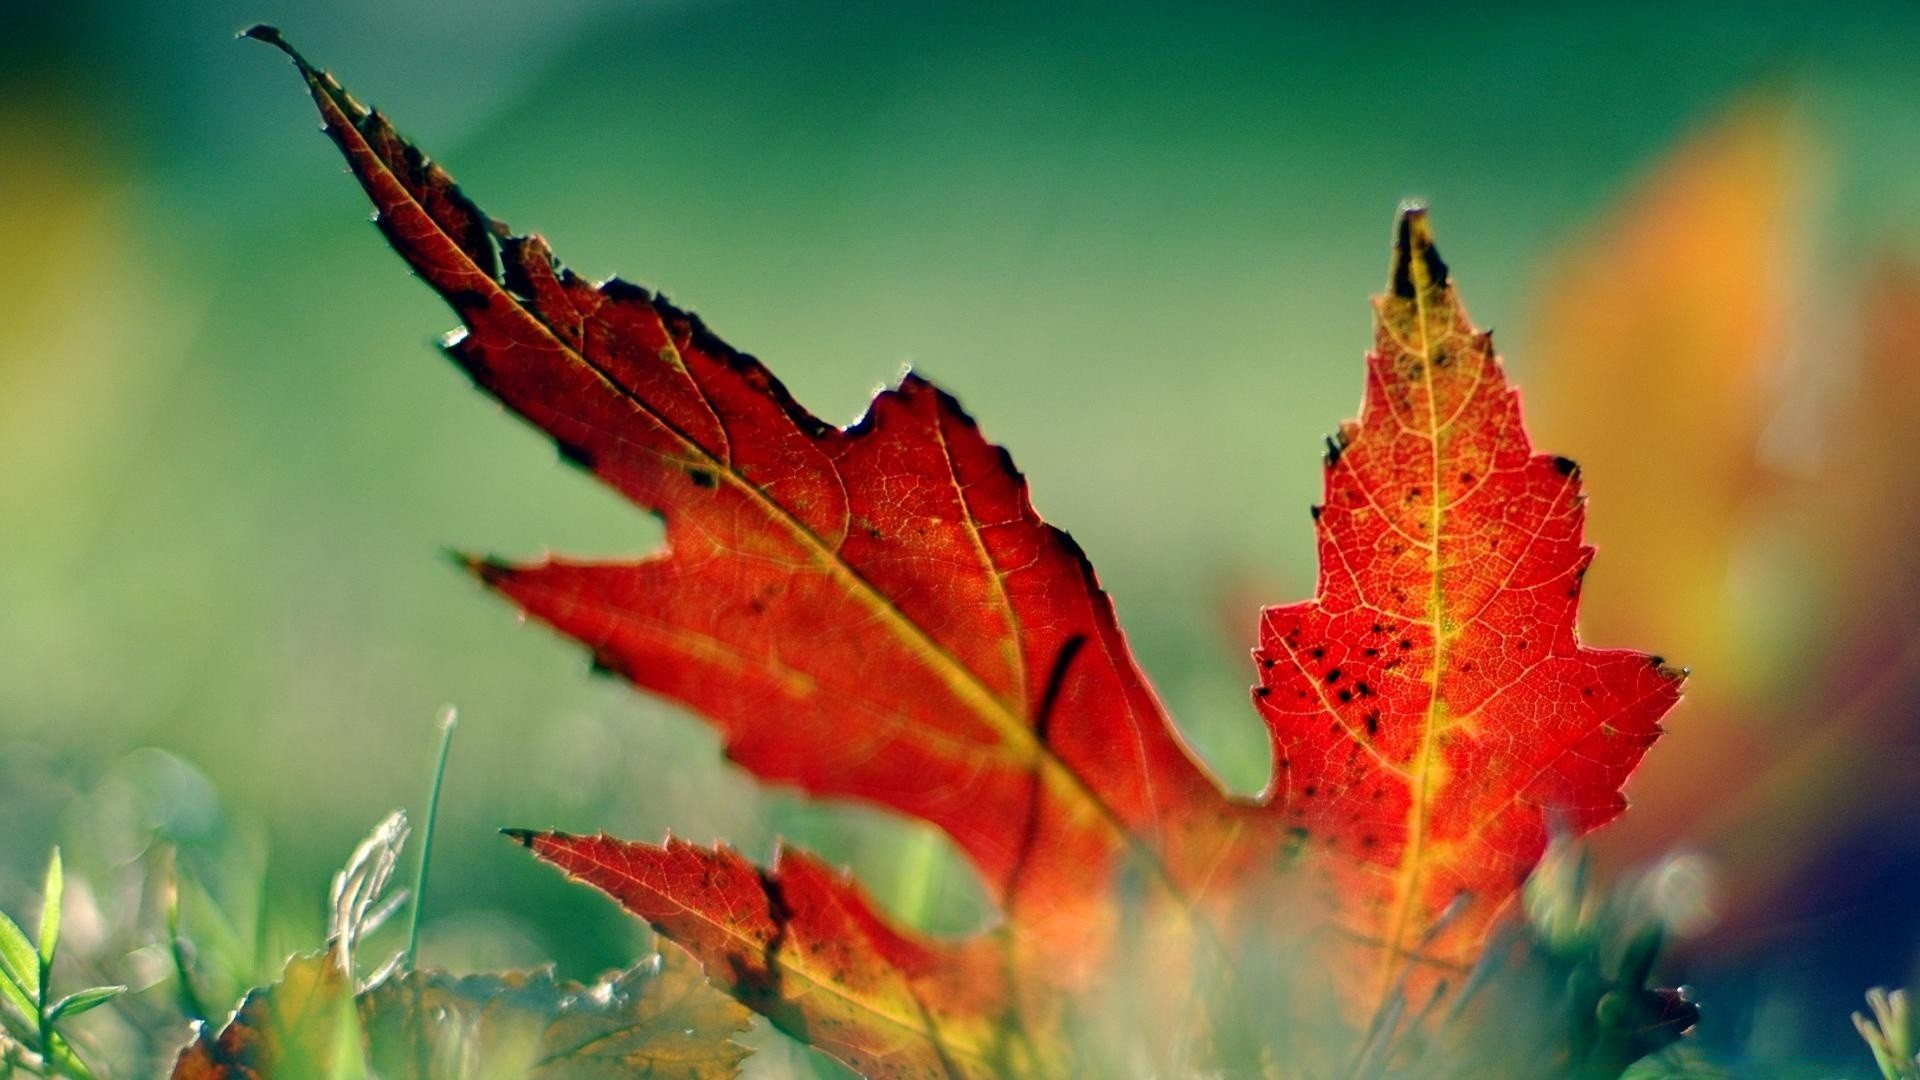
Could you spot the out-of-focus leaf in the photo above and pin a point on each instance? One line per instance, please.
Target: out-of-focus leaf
(1663, 338)
(1786, 568)
(659, 1018)
(287, 1031)
(1659, 340)
(19, 963)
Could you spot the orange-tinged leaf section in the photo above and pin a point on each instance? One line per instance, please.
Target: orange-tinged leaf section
(803, 945)
(1434, 715)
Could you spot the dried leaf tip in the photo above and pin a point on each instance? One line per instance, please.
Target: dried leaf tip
(272, 36)
(321, 84)
(523, 837)
(484, 567)
(1417, 265)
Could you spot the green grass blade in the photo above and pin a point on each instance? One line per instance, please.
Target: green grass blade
(449, 719)
(51, 898)
(16, 995)
(18, 961)
(81, 1001)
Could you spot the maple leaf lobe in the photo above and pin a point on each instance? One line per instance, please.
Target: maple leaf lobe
(1433, 713)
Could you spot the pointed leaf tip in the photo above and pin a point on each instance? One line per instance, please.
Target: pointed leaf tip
(271, 35)
(523, 837)
(484, 567)
(1416, 261)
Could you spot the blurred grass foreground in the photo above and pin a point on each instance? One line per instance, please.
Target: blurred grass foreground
(1138, 244)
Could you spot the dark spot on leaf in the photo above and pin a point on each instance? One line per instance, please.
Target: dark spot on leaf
(702, 478)
(1565, 465)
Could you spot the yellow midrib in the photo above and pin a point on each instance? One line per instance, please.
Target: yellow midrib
(1420, 782)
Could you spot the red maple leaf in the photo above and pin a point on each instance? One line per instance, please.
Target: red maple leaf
(877, 613)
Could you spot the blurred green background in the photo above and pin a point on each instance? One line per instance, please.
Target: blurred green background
(1136, 241)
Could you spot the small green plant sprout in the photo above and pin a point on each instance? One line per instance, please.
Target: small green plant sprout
(31, 1041)
(1891, 1034)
